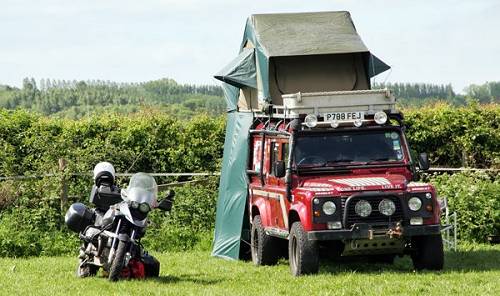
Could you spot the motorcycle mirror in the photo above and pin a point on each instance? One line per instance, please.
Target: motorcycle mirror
(423, 161)
(166, 204)
(170, 194)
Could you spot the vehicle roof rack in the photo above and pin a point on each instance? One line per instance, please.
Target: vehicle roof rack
(318, 103)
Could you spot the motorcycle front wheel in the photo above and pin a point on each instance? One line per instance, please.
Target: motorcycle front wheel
(118, 262)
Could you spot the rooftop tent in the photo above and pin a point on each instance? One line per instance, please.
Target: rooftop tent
(280, 53)
(318, 51)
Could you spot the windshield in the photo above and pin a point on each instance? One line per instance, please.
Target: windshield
(349, 148)
(142, 188)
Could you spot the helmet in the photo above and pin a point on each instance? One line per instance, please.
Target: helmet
(104, 172)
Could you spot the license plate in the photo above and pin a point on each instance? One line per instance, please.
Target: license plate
(344, 116)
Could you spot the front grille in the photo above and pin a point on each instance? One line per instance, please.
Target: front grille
(375, 217)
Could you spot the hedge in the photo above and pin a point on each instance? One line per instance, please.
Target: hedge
(31, 219)
(456, 136)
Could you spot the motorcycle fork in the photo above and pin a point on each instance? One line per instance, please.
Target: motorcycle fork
(128, 255)
(113, 243)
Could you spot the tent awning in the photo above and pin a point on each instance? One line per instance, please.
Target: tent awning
(240, 71)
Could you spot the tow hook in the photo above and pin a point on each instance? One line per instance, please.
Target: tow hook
(396, 232)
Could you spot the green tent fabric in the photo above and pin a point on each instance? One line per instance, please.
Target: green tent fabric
(266, 36)
(296, 34)
(241, 71)
(232, 187)
(231, 96)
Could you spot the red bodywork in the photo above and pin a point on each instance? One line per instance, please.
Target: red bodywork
(268, 196)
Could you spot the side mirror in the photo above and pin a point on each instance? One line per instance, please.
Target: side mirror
(167, 202)
(279, 168)
(423, 161)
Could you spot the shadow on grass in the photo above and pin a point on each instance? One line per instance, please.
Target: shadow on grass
(462, 261)
(198, 279)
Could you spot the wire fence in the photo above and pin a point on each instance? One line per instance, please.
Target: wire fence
(432, 170)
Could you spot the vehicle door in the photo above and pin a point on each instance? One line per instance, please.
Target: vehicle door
(275, 185)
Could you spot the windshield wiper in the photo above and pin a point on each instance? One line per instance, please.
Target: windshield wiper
(379, 159)
(344, 161)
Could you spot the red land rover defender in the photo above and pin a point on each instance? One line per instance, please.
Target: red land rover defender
(333, 172)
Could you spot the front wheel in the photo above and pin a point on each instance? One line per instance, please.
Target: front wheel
(83, 271)
(264, 247)
(428, 253)
(303, 253)
(118, 262)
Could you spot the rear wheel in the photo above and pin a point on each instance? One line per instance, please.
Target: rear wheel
(263, 247)
(303, 253)
(428, 253)
(117, 264)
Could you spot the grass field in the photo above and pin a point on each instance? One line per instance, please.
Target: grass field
(474, 270)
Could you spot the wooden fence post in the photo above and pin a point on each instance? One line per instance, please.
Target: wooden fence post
(64, 185)
(465, 161)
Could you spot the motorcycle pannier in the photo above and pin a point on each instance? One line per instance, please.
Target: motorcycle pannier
(78, 217)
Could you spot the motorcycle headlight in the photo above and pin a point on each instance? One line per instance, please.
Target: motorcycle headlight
(329, 208)
(363, 208)
(144, 207)
(387, 207)
(414, 203)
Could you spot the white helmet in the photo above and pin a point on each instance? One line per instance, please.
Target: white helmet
(104, 169)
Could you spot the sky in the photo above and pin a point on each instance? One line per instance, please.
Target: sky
(445, 41)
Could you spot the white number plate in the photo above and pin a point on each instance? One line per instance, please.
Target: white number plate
(344, 116)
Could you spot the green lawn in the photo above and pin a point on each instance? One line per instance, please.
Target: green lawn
(475, 270)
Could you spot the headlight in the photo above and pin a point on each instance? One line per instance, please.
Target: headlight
(363, 208)
(387, 207)
(329, 208)
(144, 207)
(311, 120)
(380, 117)
(414, 203)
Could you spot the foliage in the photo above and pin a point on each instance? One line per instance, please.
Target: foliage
(76, 99)
(422, 94)
(456, 136)
(474, 197)
(151, 141)
(488, 92)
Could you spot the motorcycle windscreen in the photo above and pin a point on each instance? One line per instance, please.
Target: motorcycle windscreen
(233, 187)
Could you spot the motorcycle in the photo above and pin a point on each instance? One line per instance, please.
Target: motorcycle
(111, 232)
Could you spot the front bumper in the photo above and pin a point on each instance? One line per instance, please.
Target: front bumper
(365, 231)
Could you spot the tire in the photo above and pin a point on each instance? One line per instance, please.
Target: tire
(263, 247)
(428, 252)
(303, 253)
(86, 271)
(117, 264)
